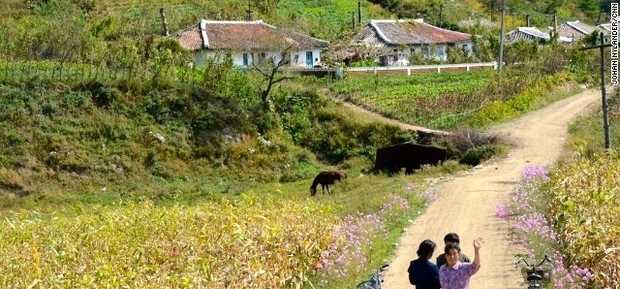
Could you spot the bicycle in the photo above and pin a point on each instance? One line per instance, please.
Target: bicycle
(375, 281)
(535, 274)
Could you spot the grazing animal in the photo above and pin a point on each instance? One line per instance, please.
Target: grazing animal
(408, 155)
(326, 178)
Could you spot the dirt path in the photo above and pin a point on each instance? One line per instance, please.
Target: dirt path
(377, 117)
(466, 204)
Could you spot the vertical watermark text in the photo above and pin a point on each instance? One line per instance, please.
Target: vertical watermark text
(613, 40)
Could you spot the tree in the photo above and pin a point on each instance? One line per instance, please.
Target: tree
(591, 7)
(272, 75)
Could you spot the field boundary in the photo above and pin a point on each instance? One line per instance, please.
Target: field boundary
(423, 68)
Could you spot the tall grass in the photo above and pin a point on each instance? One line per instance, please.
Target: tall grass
(246, 244)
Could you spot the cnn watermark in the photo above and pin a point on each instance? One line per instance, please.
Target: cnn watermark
(614, 43)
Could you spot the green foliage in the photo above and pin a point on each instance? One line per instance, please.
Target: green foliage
(477, 155)
(334, 135)
(422, 98)
(528, 95)
(587, 131)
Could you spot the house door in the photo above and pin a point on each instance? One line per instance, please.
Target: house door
(309, 59)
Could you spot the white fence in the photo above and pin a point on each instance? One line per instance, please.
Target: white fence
(409, 69)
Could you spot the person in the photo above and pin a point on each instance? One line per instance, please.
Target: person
(456, 274)
(422, 272)
(451, 238)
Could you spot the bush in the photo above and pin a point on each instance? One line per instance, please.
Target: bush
(477, 155)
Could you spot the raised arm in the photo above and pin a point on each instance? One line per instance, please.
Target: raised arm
(477, 245)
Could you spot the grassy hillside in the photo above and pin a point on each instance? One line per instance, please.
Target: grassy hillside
(452, 12)
(324, 19)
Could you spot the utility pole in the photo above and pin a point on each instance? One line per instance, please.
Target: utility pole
(248, 16)
(441, 14)
(353, 20)
(501, 39)
(527, 20)
(601, 48)
(555, 27)
(164, 23)
(359, 12)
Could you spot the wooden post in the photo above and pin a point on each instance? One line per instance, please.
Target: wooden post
(164, 23)
(501, 39)
(604, 93)
(601, 48)
(248, 16)
(527, 20)
(353, 20)
(441, 15)
(555, 27)
(359, 12)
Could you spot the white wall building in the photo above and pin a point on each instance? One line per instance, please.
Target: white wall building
(250, 42)
(396, 41)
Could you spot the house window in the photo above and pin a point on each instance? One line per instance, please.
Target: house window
(246, 59)
(441, 52)
(426, 51)
(296, 58)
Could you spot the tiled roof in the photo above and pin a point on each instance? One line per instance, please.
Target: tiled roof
(244, 35)
(407, 32)
(526, 34)
(605, 28)
(581, 27)
(535, 32)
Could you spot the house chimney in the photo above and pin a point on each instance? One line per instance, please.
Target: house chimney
(202, 27)
(164, 23)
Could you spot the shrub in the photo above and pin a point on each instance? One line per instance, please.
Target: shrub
(476, 155)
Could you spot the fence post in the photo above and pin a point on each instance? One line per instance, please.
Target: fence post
(408, 71)
(438, 69)
(467, 67)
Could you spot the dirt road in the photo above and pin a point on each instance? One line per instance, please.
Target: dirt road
(379, 118)
(466, 204)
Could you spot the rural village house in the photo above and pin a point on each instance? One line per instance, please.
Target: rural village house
(574, 30)
(526, 34)
(250, 42)
(568, 32)
(397, 40)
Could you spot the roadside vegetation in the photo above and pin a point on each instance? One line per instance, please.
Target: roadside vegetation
(570, 214)
(477, 98)
(569, 211)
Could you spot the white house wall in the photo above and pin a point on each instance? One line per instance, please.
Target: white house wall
(238, 57)
(298, 58)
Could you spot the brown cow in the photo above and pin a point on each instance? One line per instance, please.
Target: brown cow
(326, 178)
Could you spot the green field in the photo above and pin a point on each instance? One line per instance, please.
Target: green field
(421, 99)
